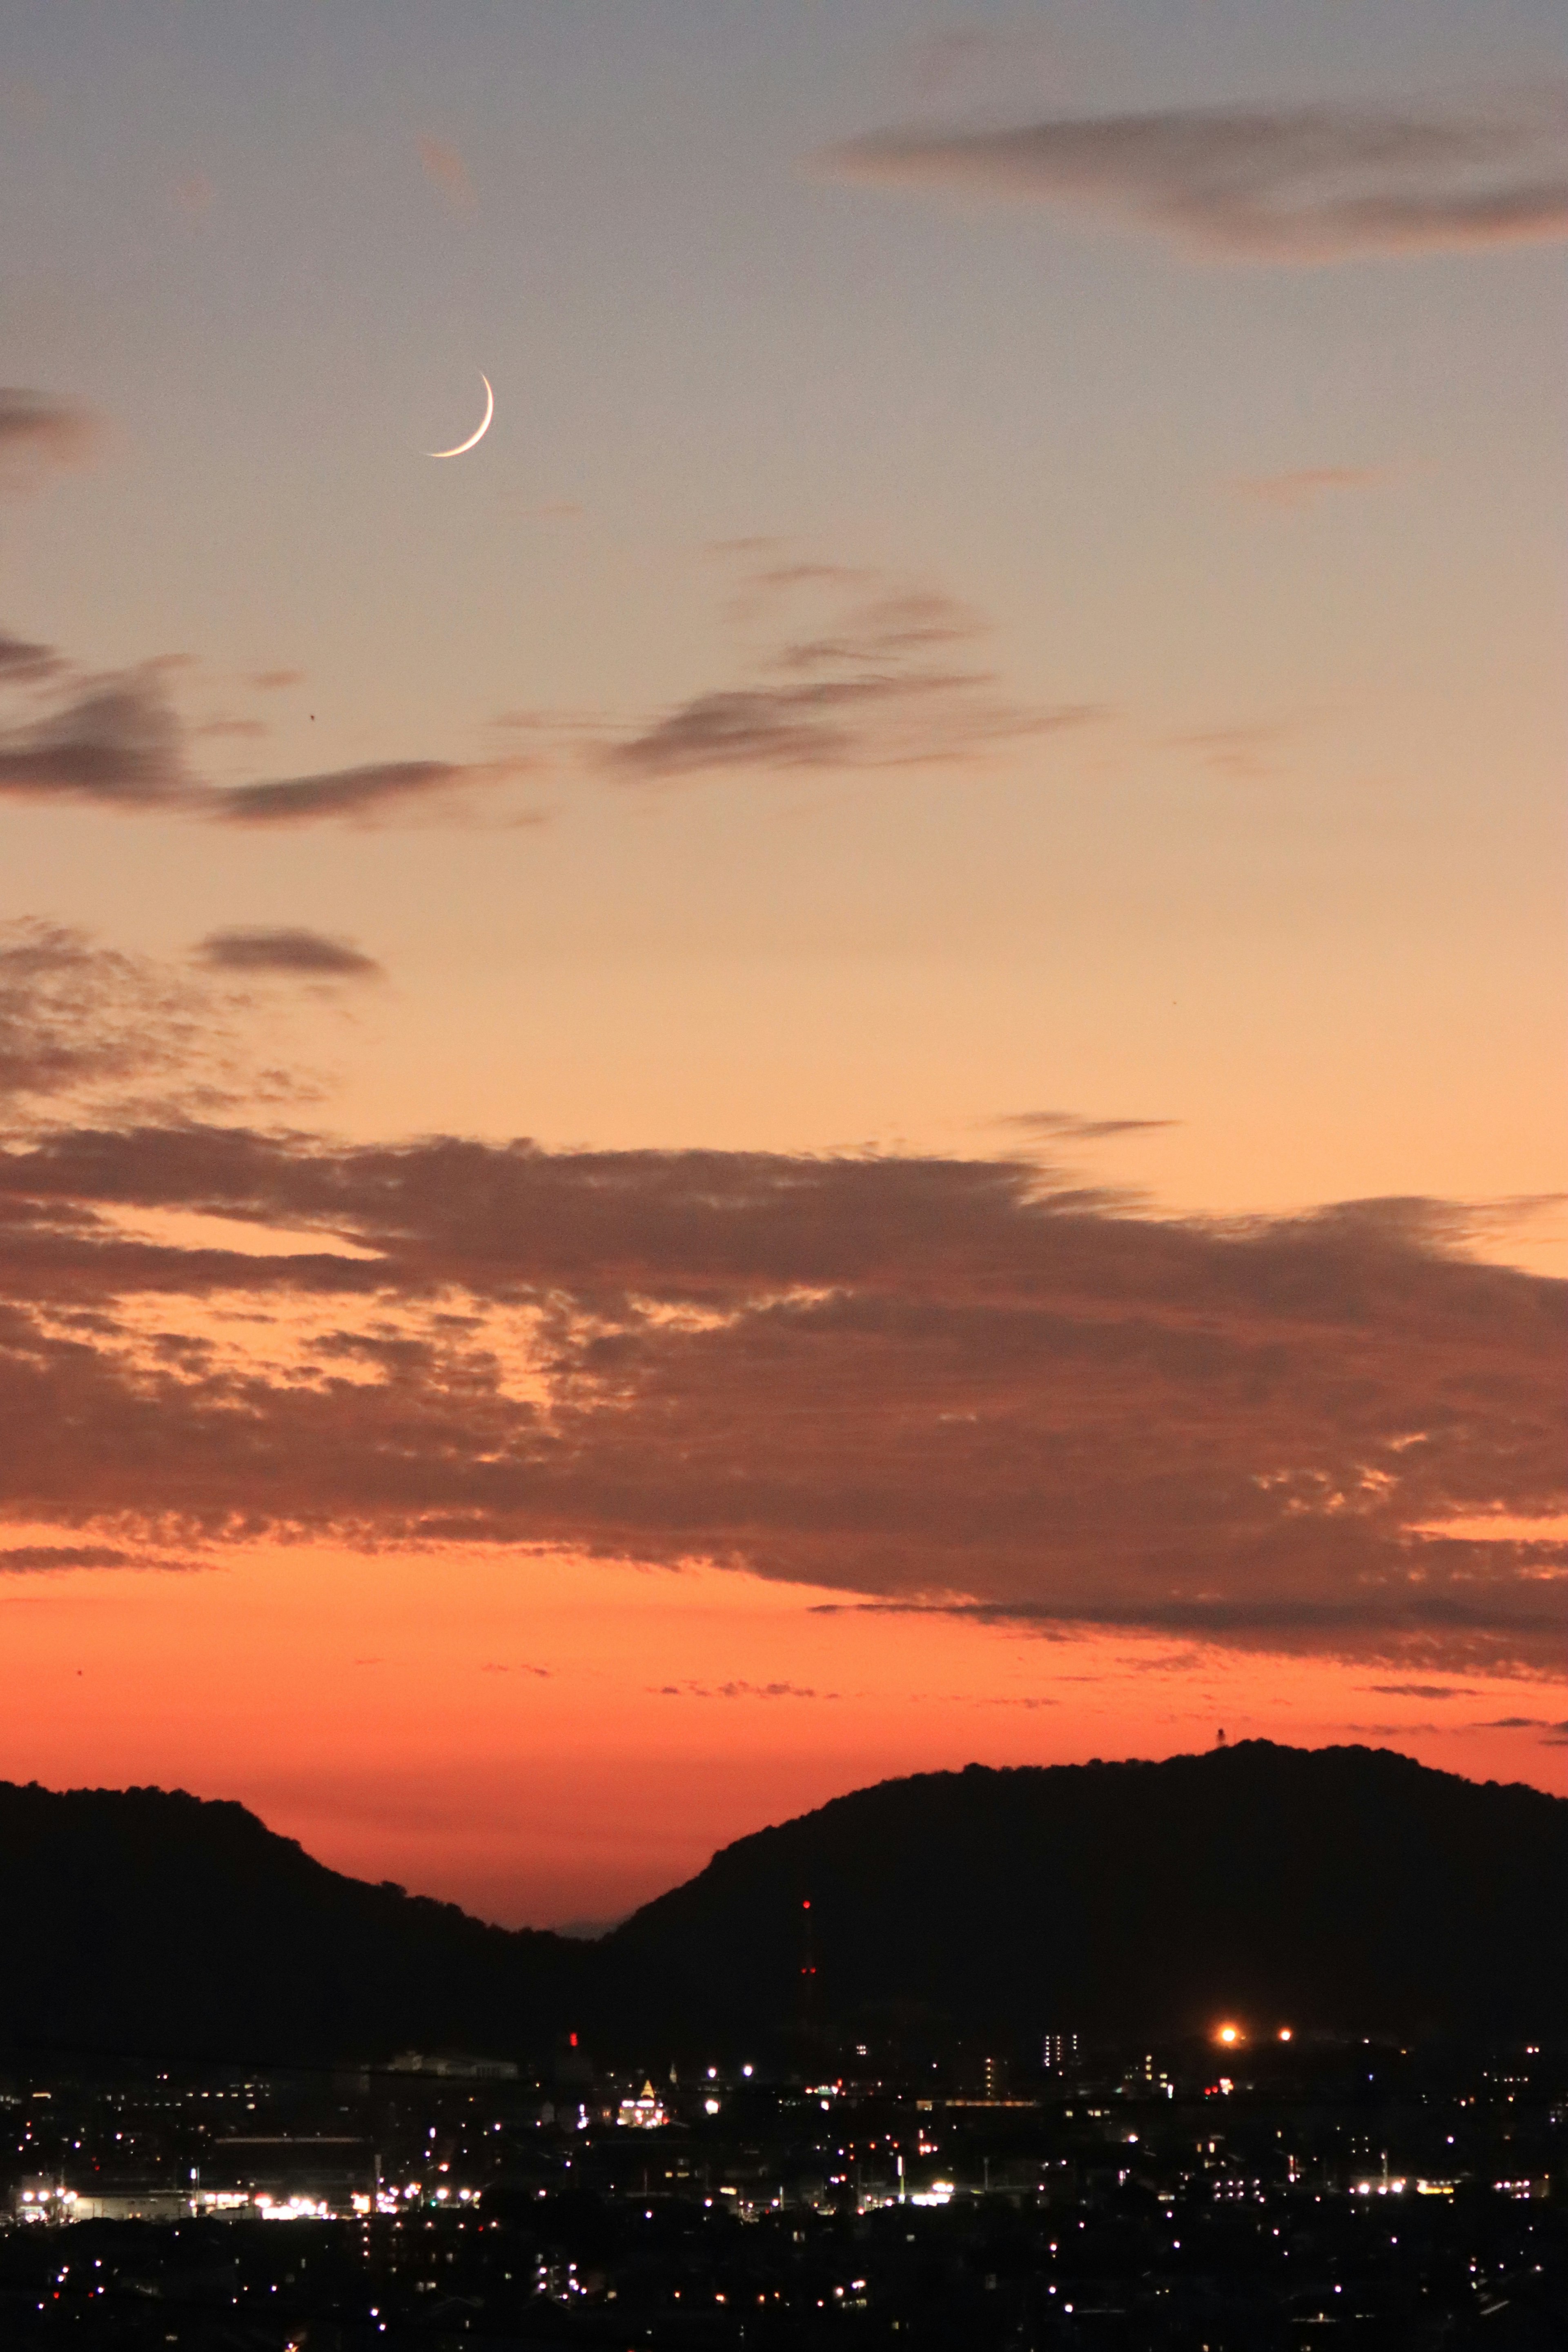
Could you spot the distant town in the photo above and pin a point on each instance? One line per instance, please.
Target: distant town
(1261, 2188)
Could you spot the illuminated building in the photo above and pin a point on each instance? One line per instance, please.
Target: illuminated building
(644, 2112)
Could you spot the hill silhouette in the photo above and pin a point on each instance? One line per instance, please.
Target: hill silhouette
(1344, 1888)
(143, 1921)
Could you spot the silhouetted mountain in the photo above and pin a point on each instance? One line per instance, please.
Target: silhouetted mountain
(1344, 1888)
(145, 1921)
(1341, 1887)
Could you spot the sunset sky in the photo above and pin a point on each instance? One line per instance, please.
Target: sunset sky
(849, 1055)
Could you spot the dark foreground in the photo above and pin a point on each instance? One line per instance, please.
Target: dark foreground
(1323, 1885)
(1237, 2200)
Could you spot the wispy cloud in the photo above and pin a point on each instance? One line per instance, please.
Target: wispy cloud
(1284, 183)
(884, 677)
(853, 672)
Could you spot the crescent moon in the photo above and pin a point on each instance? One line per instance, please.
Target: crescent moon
(463, 447)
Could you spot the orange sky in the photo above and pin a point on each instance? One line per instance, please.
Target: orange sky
(554, 1739)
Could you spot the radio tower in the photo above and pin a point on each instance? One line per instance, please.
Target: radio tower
(809, 2012)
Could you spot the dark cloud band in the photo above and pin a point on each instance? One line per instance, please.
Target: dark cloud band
(291, 951)
(923, 1382)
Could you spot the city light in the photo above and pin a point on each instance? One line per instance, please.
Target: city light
(422, 2228)
(643, 2114)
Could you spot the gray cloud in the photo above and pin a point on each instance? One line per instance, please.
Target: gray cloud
(309, 955)
(1286, 183)
(40, 435)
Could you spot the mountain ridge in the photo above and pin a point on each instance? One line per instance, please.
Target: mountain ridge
(1340, 1887)
(1332, 1884)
